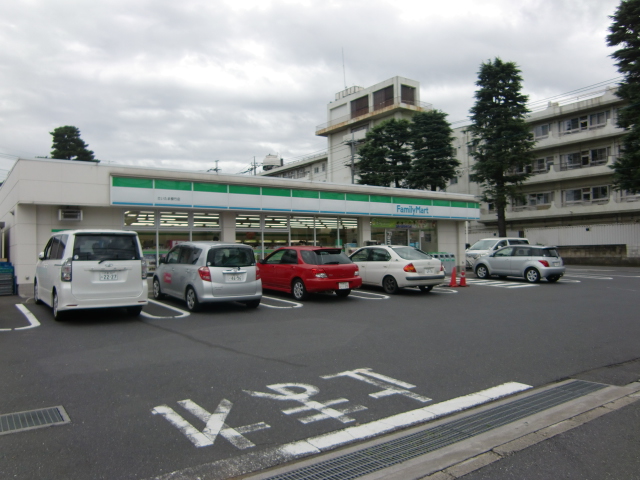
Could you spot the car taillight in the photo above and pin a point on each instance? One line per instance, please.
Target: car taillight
(410, 268)
(145, 269)
(544, 262)
(258, 272)
(65, 271)
(442, 267)
(318, 272)
(205, 274)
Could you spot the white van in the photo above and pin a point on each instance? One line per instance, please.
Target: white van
(489, 245)
(82, 269)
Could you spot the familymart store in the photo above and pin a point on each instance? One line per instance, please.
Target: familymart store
(168, 207)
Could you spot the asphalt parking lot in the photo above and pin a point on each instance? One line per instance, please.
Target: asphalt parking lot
(169, 391)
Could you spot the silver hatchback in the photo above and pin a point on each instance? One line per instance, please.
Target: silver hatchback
(528, 261)
(203, 272)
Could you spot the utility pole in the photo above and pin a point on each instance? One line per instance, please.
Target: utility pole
(214, 169)
(352, 144)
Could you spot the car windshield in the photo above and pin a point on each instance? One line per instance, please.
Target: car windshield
(548, 252)
(483, 244)
(332, 256)
(518, 242)
(410, 253)
(105, 246)
(230, 257)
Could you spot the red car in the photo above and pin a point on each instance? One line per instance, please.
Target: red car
(307, 269)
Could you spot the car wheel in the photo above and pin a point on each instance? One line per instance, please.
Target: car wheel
(57, 314)
(36, 297)
(482, 272)
(389, 284)
(157, 293)
(343, 293)
(193, 304)
(532, 275)
(553, 278)
(252, 303)
(298, 289)
(425, 288)
(134, 311)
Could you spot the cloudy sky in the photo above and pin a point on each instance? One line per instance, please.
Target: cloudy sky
(180, 84)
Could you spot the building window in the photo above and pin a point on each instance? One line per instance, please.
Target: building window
(324, 167)
(140, 218)
(408, 94)
(453, 181)
(360, 106)
(586, 158)
(383, 98)
(585, 122)
(587, 195)
(541, 131)
(316, 169)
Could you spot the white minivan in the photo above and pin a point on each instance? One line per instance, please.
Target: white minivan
(84, 269)
(490, 245)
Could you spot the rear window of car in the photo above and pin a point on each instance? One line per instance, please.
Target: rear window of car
(482, 245)
(105, 246)
(518, 242)
(546, 252)
(333, 256)
(230, 257)
(410, 253)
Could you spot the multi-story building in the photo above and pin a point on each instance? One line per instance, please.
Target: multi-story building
(568, 199)
(353, 112)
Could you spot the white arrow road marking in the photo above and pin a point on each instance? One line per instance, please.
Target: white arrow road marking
(181, 312)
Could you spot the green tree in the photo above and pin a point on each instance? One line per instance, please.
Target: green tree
(67, 145)
(384, 157)
(502, 139)
(625, 32)
(434, 162)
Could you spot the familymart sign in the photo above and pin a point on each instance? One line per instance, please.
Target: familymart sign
(148, 192)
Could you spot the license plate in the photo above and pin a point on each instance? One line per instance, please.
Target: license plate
(555, 264)
(343, 285)
(108, 277)
(428, 270)
(235, 278)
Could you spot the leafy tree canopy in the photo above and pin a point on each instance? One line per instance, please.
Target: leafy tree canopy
(67, 145)
(409, 154)
(625, 33)
(502, 138)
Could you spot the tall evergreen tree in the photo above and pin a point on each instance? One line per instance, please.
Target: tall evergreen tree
(434, 162)
(385, 159)
(67, 145)
(502, 139)
(625, 32)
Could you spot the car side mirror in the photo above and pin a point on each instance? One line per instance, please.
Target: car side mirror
(41, 255)
(163, 260)
(262, 262)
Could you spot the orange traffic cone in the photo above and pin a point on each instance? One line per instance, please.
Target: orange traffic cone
(453, 282)
(463, 278)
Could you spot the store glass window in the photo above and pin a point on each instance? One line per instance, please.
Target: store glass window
(248, 221)
(206, 220)
(174, 219)
(276, 222)
(140, 218)
(302, 230)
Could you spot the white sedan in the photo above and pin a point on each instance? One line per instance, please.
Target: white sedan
(396, 266)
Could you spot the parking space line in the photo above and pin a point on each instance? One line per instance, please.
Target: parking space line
(33, 321)
(373, 296)
(295, 304)
(182, 312)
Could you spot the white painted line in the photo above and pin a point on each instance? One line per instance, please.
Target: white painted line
(181, 312)
(444, 290)
(566, 280)
(368, 295)
(520, 286)
(33, 321)
(592, 277)
(295, 304)
(314, 445)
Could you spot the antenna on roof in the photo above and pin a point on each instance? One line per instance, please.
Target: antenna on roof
(344, 72)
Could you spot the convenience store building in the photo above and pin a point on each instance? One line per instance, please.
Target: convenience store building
(165, 207)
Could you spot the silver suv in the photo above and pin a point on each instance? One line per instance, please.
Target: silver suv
(528, 261)
(489, 245)
(81, 269)
(201, 272)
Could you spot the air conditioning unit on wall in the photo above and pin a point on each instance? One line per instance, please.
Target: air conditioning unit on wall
(69, 214)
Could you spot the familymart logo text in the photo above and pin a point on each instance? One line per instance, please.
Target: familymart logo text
(412, 210)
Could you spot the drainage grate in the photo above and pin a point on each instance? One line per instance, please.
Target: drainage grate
(17, 422)
(373, 459)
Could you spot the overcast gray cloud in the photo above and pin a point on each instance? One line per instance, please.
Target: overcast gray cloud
(182, 84)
